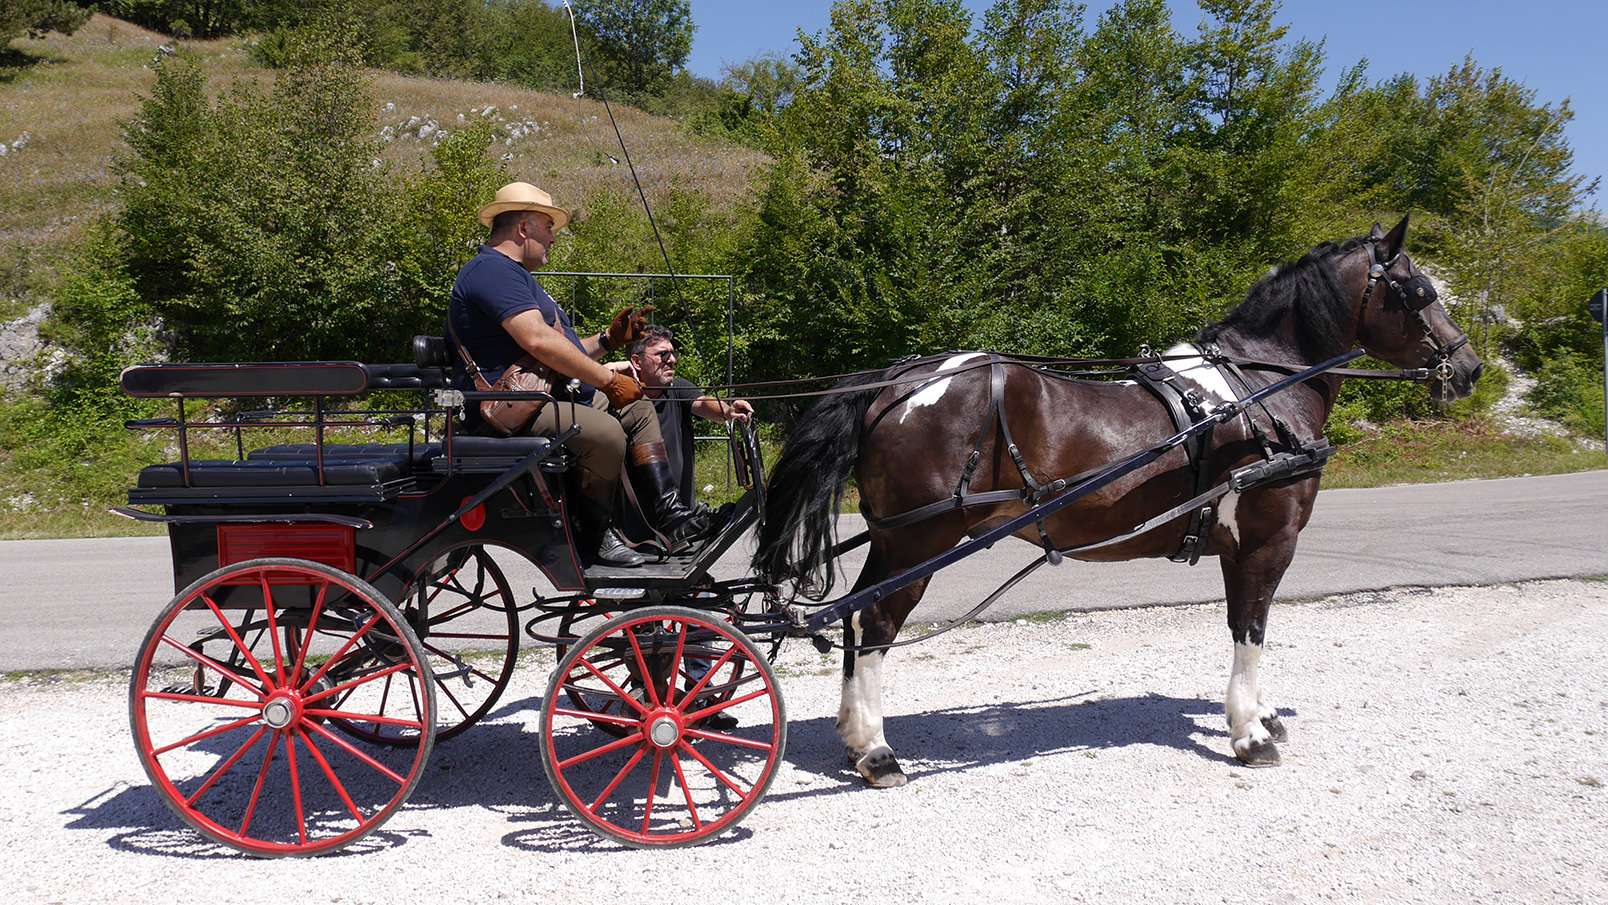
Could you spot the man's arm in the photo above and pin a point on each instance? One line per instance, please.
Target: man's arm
(548, 345)
(711, 409)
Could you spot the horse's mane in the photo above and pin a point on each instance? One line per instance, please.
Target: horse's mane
(1308, 290)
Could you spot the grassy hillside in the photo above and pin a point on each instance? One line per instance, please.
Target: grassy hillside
(64, 98)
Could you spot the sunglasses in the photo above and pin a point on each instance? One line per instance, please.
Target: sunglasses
(664, 356)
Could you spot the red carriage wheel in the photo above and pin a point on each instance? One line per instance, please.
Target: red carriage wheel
(662, 776)
(234, 690)
(463, 611)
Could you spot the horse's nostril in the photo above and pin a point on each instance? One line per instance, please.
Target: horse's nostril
(1474, 376)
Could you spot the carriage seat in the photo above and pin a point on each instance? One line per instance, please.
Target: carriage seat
(213, 473)
(414, 457)
(468, 453)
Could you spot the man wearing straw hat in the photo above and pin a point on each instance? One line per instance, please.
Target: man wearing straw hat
(498, 314)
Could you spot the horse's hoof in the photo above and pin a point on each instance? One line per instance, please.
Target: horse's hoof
(1258, 754)
(1275, 729)
(881, 769)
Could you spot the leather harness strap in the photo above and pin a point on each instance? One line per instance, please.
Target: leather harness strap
(1186, 407)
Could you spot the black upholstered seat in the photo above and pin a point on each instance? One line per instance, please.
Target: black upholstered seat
(275, 473)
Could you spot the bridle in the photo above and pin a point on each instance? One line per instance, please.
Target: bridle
(1414, 294)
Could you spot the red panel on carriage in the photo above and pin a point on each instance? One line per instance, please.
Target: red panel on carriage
(333, 545)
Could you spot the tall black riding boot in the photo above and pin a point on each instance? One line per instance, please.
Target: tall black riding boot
(598, 545)
(656, 490)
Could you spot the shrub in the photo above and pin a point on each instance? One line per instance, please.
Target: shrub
(1569, 389)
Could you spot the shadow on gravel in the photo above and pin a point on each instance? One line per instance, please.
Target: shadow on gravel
(496, 765)
(957, 739)
(151, 828)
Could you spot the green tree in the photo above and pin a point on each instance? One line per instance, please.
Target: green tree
(252, 222)
(642, 41)
(35, 17)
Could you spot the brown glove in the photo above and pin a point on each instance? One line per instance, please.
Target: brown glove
(622, 391)
(627, 327)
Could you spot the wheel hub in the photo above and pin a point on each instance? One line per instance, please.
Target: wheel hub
(280, 711)
(664, 731)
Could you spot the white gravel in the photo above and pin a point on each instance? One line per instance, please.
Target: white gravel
(1446, 745)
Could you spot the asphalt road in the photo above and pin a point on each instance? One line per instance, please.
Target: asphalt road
(87, 603)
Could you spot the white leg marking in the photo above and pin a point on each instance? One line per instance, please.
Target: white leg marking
(1243, 704)
(859, 722)
(934, 391)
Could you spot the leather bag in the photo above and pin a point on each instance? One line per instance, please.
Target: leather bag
(510, 416)
(527, 375)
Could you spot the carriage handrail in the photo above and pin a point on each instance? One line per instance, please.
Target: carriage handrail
(213, 380)
(859, 600)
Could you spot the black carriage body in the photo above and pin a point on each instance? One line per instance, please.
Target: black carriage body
(382, 512)
(218, 526)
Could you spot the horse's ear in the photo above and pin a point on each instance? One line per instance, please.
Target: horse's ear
(1377, 233)
(1396, 239)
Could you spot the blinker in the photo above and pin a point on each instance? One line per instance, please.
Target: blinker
(1417, 293)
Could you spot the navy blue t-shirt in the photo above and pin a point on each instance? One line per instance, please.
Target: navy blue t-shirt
(490, 289)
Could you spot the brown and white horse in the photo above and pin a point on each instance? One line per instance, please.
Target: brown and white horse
(909, 446)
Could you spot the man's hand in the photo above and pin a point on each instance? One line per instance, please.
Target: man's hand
(627, 327)
(622, 391)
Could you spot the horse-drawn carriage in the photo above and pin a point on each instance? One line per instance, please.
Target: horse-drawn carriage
(340, 610)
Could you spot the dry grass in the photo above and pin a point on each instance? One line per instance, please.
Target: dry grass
(68, 95)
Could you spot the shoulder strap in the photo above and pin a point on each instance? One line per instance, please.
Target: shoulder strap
(474, 371)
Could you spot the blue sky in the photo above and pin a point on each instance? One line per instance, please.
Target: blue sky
(1559, 49)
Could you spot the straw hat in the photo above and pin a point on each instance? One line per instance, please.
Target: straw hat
(522, 196)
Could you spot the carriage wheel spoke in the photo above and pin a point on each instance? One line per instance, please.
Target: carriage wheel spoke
(226, 766)
(714, 668)
(686, 793)
(716, 772)
(618, 691)
(340, 654)
(273, 628)
(309, 632)
(329, 773)
(262, 776)
(619, 777)
(241, 646)
(349, 749)
(609, 748)
(215, 666)
(653, 789)
(210, 733)
(295, 788)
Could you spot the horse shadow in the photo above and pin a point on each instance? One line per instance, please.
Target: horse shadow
(495, 765)
(971, 737)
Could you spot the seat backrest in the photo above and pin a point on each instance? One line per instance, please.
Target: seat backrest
(431, 352)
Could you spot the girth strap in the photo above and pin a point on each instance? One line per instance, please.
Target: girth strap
(1186, 407)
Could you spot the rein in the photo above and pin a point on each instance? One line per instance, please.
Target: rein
(1100, 367)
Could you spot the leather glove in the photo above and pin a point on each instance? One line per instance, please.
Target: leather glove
(627, 327)
(622, 391)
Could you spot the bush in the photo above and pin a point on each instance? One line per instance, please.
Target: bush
(265, 227)
(1569, 389)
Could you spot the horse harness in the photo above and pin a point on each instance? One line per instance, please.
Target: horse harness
(1186, 408)
(1415, 294)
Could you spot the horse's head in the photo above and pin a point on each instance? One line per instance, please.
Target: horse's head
(1399, 319)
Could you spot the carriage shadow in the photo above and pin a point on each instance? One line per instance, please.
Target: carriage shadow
(496, 766)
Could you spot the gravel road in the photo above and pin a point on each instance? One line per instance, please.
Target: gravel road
(1446, 745)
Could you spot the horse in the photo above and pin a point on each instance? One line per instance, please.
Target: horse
(964, 442)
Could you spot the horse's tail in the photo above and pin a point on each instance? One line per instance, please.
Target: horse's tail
(805, 491)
